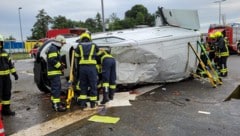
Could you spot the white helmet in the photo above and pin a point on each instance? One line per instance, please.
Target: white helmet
(60, 39)
(1, 38)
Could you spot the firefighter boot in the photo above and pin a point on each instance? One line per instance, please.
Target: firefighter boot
(93, 104)
(6, 111)
(111, 94)
(60, 107)
(105, 96)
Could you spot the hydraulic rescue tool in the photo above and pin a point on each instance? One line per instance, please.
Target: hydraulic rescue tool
(211, 65)
(204, 67)
(70, 93)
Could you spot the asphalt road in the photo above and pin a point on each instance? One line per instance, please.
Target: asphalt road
(187, 108)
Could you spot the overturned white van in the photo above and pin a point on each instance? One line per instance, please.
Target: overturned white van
(157, 54)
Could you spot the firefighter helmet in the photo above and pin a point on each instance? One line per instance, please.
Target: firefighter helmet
(1, 38)
(211, 36)
(60, 39)
(85, 35)
(218, 34)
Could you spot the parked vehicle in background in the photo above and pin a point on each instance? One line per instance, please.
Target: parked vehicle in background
(231, 32)
(66, 32)
(34, 50)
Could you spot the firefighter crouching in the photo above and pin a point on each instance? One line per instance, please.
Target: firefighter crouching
(222, 53)
(6, 68)
(55, 67)
(108, 65)
(85, 54)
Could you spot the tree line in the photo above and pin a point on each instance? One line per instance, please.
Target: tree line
(137, 15)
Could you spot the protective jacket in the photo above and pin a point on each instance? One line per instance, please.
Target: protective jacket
(55, 66)
(6, 66)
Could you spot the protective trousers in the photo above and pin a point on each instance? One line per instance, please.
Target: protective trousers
(109, 75)
(5, 89)
(55, 88)
(88, 84)
(223, 66)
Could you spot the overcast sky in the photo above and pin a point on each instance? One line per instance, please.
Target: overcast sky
(81, 10)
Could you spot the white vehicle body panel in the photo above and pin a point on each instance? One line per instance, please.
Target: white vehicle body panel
(150, 55)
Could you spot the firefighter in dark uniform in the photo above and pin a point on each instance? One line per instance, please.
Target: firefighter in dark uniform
(108, 65)
(55, 68)
(85, 54)
(222, 53)
(211, 47)
(6, 68)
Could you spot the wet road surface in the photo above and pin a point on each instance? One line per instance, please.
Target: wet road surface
(187, 108)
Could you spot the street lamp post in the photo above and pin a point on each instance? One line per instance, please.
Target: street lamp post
(219, 2)
(20, 22)
(103, 22)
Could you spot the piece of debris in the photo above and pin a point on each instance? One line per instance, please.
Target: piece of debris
(204, 112)
(104, 119)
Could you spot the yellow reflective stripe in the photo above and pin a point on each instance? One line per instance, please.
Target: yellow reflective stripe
(224, 54)
(105, 84)
(112, 86)
(93, 98)
(3, 54)
(106, 56)
(54, 54)
(5, 72)
(81, 52)
(56, 72)
(82, 97)
(91, 52)
(88, 62)
(57, 65)
(99, 68)
(6, 102)
(12, 70)
(56, 100)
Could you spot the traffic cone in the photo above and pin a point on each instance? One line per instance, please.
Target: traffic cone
(2, 132)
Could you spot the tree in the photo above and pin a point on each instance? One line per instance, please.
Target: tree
(99, 24)
(11, 38)
(140, 15)
(40, 28)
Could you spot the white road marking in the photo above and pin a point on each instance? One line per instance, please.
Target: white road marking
(55, 124)
(120, 99)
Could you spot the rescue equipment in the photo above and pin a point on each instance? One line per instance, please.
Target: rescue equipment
(211, 65)
(204, 67)
(70, 93)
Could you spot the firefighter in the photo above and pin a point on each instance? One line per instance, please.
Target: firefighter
(85, 54)
(6, 68)
(211, 47)
(108, 65)
(55, 68)
(222, 53)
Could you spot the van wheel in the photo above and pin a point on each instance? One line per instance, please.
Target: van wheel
(40, 76)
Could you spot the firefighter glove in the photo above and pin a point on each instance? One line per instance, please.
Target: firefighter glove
(15, 76)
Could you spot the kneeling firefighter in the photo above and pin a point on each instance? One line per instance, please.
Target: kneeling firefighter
(6, 68)
(108, 64)
(55, 68)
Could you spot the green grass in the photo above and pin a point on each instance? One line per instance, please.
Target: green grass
(19, 56)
